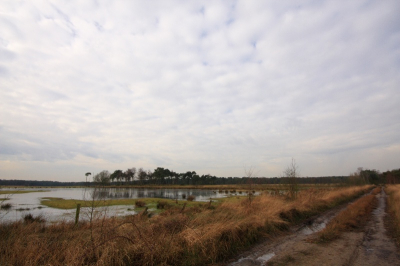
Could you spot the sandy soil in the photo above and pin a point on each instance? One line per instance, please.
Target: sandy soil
(369, 246)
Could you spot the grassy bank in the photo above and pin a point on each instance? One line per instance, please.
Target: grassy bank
(393, 208)
(195, 235)
(61, 203)
(354, 216)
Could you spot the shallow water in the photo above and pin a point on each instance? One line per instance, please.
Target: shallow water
(30, 202)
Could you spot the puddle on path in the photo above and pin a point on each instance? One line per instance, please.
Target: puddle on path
(259, 261)
(311, 229)
(377, 247)
(263, 252)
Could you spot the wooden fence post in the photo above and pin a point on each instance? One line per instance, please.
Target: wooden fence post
(78, 208)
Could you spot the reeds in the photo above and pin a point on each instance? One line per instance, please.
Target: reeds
(196, 235)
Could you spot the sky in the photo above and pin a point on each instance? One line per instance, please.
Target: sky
(215, 87)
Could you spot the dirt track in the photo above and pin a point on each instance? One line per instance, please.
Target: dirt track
(370, 246)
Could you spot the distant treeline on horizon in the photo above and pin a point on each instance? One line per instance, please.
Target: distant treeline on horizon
(200, 181)
(163, 176)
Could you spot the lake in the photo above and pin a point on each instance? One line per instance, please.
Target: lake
(25, 203)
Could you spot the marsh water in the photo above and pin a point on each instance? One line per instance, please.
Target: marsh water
(25, 203)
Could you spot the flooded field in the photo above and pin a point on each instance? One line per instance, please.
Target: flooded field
(24, 203)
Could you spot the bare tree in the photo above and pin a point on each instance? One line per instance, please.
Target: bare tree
(250, 173)
(149, 174)
(141, 175)
(103, 177)
(292, 173)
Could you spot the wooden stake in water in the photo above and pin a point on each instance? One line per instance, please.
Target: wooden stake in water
(78, 208)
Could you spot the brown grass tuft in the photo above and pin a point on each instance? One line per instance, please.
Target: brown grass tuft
(191, 198)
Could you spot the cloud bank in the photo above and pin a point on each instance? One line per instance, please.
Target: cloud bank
(214, 87)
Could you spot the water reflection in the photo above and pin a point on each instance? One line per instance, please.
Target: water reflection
(134, 193)
(30, 202)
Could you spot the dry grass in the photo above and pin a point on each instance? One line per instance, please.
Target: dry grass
(196, 235)
(393, 208)
(352, 217)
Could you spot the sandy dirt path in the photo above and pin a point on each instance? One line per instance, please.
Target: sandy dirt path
(370, 246)
(376, 248)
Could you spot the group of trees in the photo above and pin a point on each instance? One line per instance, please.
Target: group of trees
(366, 176)
(131, 174)
(160, 176)
(164, 176)
(391, 177)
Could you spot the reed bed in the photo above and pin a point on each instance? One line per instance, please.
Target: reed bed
(354, 216)
(197, 235)
(393, 207)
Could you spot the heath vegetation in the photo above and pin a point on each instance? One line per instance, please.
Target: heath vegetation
(183, 233)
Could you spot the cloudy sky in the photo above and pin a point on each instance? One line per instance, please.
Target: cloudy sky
(209, 86)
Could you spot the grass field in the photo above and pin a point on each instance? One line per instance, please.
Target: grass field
(61, 203)
(196, 235)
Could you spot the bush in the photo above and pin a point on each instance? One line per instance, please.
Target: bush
(183, 196)
(140, 203)
(191, 198)
(6, 206)
(29, 218)
(162, 204)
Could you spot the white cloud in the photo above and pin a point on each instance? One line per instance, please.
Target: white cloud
(188, 86)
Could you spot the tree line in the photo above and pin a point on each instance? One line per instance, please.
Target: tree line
(163, 176)
(160, 176)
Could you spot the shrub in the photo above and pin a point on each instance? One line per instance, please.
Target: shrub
(183, 196)
(162, 204)
(140, 203)
(6, 206)
(191, 198)
(29, 218)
